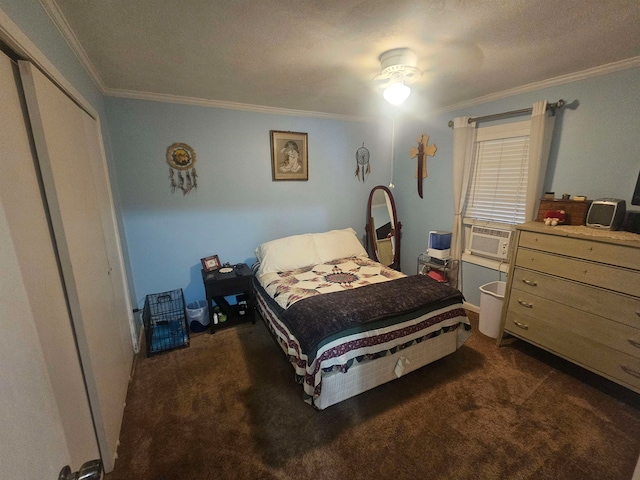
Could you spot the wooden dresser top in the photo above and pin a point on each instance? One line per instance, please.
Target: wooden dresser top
(617, 237)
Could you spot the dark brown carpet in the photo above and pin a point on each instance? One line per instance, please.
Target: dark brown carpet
(227, 407)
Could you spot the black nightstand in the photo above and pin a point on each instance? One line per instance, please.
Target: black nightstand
(218, 285)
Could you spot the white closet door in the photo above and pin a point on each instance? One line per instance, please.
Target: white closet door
(114, 253)
(74, 186)
(45, 417)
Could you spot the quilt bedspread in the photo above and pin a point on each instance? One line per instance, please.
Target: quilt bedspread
(319, 319)
(439, 311)
(287, 288)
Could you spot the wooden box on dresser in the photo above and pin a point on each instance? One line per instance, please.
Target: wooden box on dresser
(575, 291)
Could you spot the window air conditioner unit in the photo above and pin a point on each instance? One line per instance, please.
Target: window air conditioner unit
(490, 242)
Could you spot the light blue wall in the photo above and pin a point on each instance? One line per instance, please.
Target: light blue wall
(595, 152)
(237, 206)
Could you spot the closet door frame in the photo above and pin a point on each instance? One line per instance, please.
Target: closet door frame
(44, 411)
(75, 187)
(24, 48)
(22, 45)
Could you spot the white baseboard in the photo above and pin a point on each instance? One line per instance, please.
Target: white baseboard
(472, 307)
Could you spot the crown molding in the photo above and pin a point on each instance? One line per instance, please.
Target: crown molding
(59, 20)
(632, 62)
(22, 45)
(560, 80)
(203, 102)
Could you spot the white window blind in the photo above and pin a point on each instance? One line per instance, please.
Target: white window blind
(498, 187)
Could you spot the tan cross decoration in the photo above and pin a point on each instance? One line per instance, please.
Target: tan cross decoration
(421, 153)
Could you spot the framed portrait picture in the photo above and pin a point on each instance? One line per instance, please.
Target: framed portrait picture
(210, 263)
(289, 156)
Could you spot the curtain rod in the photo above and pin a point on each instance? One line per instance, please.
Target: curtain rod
(495, 116)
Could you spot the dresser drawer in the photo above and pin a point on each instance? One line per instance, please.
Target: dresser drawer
(603, 331)
(594, 251)
(612, 278)
(615, 365)
(604, 303)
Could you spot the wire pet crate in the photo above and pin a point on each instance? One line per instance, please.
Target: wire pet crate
(165, 322)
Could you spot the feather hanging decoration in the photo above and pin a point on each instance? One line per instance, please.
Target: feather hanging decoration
(173, 181)
(182, 159)
(363, 168)
(194, 177)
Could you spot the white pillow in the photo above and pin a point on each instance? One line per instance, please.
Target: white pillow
(338, 244)
(287, 253)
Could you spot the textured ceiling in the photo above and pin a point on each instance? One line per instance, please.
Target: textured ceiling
(321, 56)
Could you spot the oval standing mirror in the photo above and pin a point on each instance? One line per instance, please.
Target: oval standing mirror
(383, 228)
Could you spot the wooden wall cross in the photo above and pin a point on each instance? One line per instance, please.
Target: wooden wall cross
(421, 153)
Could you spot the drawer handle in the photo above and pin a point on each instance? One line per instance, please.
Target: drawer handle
(522, 325)
(531, 283)
(634, 342)
(525, 304)
(630, 371)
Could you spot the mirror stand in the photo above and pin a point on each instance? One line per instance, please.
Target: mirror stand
(383, 228)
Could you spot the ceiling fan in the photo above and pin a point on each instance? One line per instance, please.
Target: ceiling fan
(398, 72)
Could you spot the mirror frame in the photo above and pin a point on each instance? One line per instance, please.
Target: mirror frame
(370, 230)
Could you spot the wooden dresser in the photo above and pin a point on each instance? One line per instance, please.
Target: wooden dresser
(575, 292)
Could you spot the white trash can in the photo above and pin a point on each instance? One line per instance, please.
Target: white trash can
(198, 316)
(491, 298)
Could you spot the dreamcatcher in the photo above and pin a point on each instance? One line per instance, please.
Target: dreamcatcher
(363, 169)
(182, 172)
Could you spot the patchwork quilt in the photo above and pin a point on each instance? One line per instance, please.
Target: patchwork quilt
(325, 321)
(287, 288)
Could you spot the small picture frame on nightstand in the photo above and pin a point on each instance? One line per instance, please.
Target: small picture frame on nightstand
(210, 263)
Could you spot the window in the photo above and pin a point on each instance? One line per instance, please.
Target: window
(498, 187)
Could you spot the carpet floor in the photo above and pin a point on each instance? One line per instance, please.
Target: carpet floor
(227, 407)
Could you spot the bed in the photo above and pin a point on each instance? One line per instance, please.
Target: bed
(346, 323)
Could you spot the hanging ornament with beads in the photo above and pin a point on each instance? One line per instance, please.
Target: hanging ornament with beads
(363, 169)
(182, 172)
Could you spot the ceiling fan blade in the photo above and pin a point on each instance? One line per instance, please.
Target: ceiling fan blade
(382, 83)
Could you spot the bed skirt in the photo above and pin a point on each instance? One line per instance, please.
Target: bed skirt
(338, 386)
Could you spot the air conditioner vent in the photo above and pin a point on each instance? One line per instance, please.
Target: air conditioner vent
(490, 242)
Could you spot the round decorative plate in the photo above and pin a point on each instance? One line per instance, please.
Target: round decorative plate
(226, 270)
(181, 156)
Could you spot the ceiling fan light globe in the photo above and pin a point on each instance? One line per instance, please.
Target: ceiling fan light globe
(396, 93)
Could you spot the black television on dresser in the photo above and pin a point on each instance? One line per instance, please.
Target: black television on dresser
(632, 223)
(635, 200)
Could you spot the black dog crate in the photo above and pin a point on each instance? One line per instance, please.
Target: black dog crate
(165, 322)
